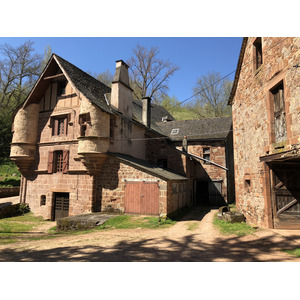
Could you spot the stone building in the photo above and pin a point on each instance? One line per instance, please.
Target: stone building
(84, 147)
(265, 101)
(207, 158)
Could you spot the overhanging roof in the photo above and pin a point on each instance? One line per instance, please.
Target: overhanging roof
(148, 167)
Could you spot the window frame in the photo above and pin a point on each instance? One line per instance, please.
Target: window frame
(205, 154)
(53, 161)
(59, 122)
(257, 53)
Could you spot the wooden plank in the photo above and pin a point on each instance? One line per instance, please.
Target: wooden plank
(54, 76)
(286, 207)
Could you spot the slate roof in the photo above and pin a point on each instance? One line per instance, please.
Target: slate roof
(157, 113)
(89, 86)
(148, 167)
(200, 129)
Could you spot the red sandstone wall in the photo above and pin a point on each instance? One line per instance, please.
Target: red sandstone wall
(80, 188)
(110, 186)
(253, 124)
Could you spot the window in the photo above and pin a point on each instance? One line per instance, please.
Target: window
(61, 88)
(84, 119)
(279, 113)
(60, 125)
(58, 161)
(258, 59)
(43, 200)
(206, 155)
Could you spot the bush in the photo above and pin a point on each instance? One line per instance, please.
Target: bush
(14, 210)
(10, 181)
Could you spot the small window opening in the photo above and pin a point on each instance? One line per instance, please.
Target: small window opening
(258, 53)
(174, 131)
(84, 119)
(43, 200)
(206, 155)
(248, 185)
(61, 89)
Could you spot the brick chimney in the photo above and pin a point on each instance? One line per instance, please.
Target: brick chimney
(146, 113)
(121, 92)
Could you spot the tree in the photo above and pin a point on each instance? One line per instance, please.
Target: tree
(149, 75)
(178, 111)
(212, 96)
(106, 77)
(19, 70)
(47, 55)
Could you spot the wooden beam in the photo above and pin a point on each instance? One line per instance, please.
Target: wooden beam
(286, 207)
(54, 76)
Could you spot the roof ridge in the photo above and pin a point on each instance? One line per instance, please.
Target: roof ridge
(92, 77)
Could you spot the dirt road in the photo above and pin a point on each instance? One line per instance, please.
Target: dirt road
(202, 244)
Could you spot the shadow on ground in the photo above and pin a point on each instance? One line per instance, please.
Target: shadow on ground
(189, 249)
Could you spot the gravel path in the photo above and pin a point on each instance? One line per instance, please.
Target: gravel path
(204, 244)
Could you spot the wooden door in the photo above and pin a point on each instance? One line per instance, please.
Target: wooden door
(286, 196)
(61, 205)
(142, 198)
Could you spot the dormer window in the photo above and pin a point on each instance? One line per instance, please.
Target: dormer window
(61, 88)
(258, 59)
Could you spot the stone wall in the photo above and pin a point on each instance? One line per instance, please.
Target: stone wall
(193, 170)
(9, 191)
(111, 181)
(253, 122)
(79, 187)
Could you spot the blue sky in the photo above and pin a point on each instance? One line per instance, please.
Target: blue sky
(194, 56)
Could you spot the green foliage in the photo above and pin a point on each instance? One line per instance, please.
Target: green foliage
(131, 222)
(179, 112)
(14, 210)
(19, 69)
(228, 228)
(295, 252)
(10, 182)
(9, 169)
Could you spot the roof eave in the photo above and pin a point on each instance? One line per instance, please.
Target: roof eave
(238, 70)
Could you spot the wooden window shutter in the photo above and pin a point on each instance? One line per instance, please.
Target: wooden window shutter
(65, 161)
(55, 128)
(65, 125)
(50, 162)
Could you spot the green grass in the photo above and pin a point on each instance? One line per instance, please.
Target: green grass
(228, 228)
(132, 222)
(15, 229)
(192, 226)
(9, 174)
(12, 229)
(294, 252)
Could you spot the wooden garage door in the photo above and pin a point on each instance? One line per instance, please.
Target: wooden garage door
(142, 198)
